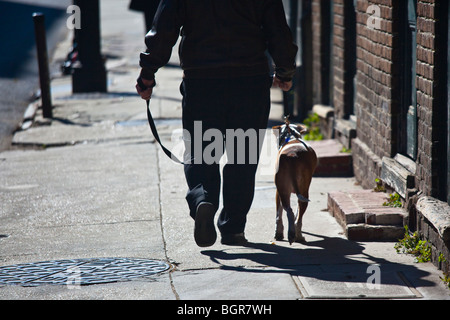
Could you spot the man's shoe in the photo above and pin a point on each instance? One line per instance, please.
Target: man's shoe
(205, 232)
(233, 239)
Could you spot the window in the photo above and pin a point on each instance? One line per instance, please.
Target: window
(408, 95)
(326, 33)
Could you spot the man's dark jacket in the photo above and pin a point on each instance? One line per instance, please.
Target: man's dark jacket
(221, 38)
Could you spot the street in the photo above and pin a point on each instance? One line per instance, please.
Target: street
(19, 77)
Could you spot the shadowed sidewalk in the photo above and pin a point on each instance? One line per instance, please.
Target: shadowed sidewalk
(93, 184)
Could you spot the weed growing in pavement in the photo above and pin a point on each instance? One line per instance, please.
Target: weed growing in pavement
(345, 150)
(411, 244)
(446, 279)
(379, 187)
(312, 123)
(393, 201)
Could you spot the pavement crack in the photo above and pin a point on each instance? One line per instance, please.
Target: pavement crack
(158, 166)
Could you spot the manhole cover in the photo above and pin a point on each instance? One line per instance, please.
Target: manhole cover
(79, 271)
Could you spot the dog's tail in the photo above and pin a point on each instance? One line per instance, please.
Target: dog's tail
(302, 198)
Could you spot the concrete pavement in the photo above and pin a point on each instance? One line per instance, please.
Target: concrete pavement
(92, 183)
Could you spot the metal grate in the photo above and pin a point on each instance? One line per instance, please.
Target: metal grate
(79, 271)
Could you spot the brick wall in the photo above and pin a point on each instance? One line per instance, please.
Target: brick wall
(317, 51)
(382, 96)
(430, 178)
(431, 57)
(344, 42)
(376, 97)
(338, 58)
(376, 103)
(425, 75)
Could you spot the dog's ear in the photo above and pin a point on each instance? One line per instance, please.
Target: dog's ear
(302, 129)
(276, 130)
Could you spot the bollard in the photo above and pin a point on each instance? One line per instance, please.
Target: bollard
(44, 73)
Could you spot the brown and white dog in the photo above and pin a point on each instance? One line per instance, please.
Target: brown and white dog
(295, 165)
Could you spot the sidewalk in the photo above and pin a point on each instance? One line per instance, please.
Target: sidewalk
(92, 183)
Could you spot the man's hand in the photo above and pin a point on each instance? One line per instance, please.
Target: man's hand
(283, 85)
(147, 93)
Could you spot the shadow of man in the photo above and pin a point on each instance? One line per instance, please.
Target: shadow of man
(327, 259)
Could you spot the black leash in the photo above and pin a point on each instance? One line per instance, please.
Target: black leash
(151, 122)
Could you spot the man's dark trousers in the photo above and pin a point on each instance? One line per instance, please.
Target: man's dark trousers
(227, 105)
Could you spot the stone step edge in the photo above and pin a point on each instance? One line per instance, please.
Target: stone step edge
(363, 217)
(331, 161)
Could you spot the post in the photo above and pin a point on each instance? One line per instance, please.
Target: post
(304, 101)
(289, 97)
(448, 105)
(90, 76)
(44, 73)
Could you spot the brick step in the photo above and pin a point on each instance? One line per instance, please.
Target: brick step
(332, 162)
(364, 218)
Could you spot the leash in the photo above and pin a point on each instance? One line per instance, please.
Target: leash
(288, 134)
(151, 122)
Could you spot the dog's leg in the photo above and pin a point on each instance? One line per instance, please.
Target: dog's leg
(302, 206)
(291, 227)
(279, 221)
(286, 202)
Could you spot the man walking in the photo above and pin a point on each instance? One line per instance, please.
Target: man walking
(226, 86)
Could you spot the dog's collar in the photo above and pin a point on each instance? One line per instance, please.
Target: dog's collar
(287, 140)
(288, 134)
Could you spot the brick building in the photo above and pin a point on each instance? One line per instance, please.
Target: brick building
(376, 72)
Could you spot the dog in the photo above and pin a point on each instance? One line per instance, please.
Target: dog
(295, 165)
